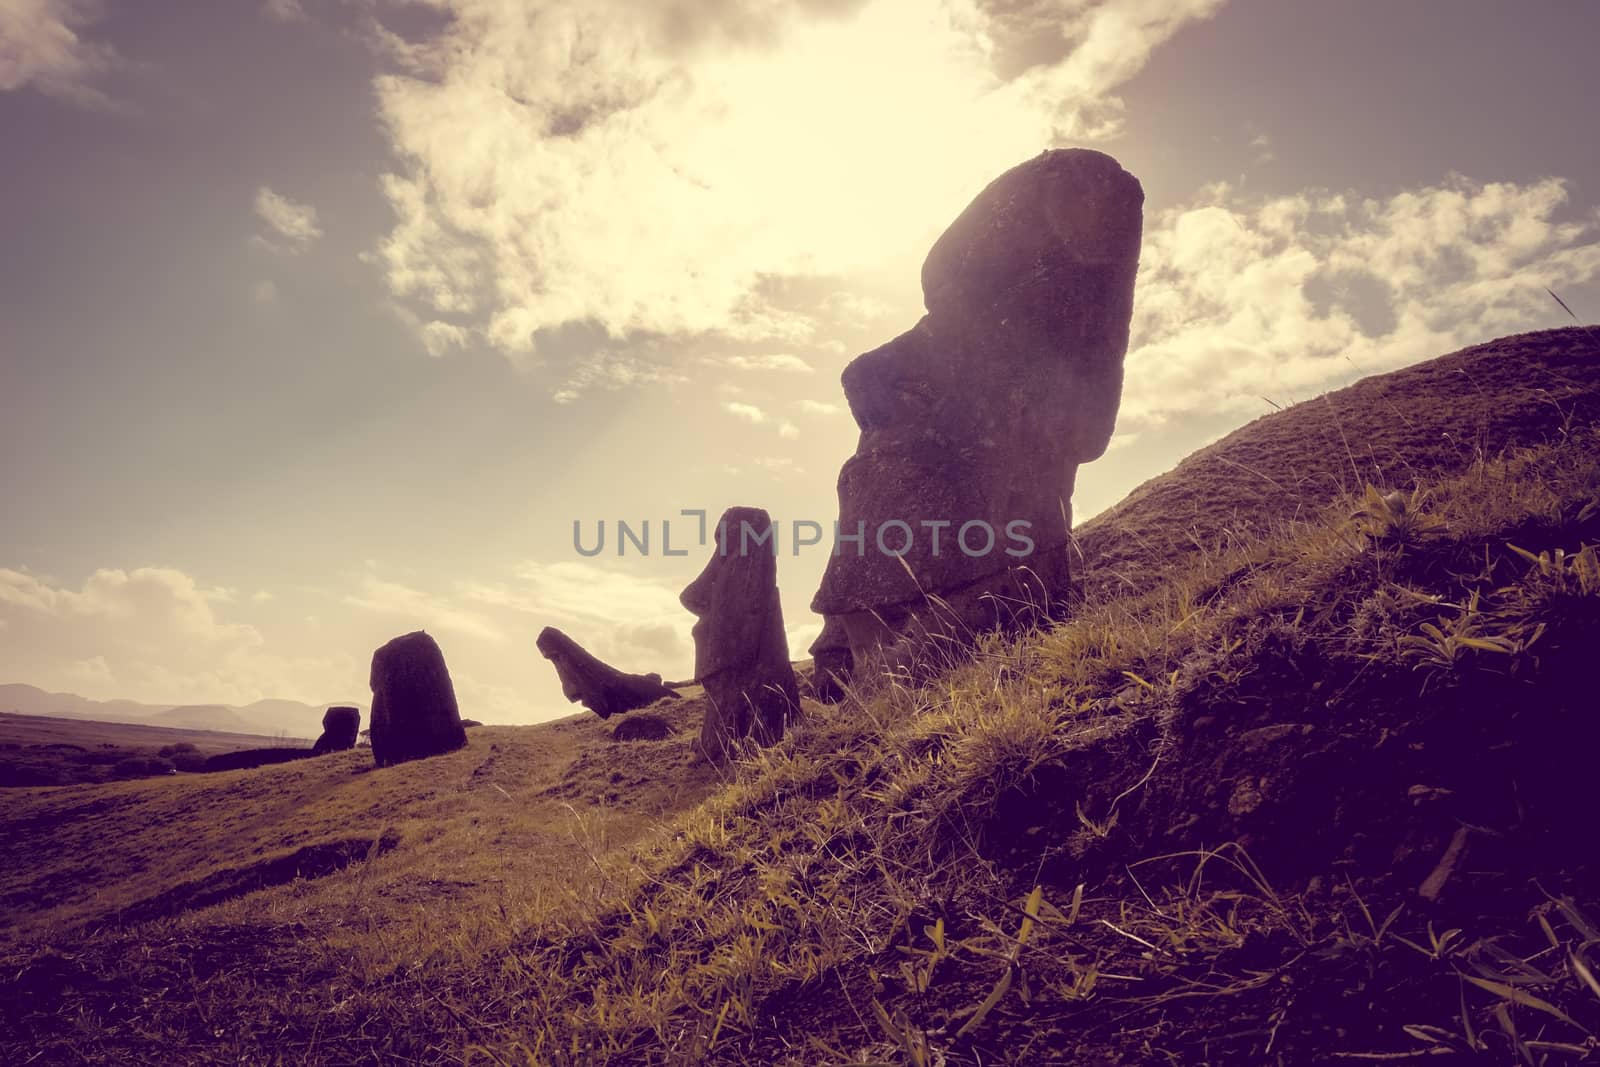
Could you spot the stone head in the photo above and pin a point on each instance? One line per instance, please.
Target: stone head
(733, 596)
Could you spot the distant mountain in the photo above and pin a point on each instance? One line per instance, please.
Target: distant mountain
(268, 718)
(210, 717)
(31, 700)
(290, 712)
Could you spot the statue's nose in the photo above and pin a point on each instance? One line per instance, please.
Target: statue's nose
(696, 596)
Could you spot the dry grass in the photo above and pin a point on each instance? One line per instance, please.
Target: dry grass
(1315, 791)
(487, 816)
(1394, 431)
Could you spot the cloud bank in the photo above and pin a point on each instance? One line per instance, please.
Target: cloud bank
(154, 634)
(630, 621)
(653, 169)
(42, 47)
(1242, 298)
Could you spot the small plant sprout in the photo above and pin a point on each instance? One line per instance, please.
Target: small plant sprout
(1576, 574)
(1447, 645)
(1395, 518)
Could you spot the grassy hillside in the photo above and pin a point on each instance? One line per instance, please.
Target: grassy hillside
(1397, 430)
(71, 857)
(44, 750)
(1313, 784)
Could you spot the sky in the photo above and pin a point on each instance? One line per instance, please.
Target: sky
(326, 320)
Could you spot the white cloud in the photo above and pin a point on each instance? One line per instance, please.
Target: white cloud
(244, 678)
(819, 407)
(633, 622)
(421, 609)
(577, 589)
(41, 47)
(292, 222)
(778, 465)
(1264, 153)
(616, 163)
(663, 640)
(94, 671)
(756, 416)
(487, 702)
(147, 593)
(25, 590)
(800, 635)
(440, 337)
(854, 309)
(775, 361)
(610, 370)
(1109, 44)
(154, 634)
(747, 412)
(284, 10)
(264, 293)
(1286, 297)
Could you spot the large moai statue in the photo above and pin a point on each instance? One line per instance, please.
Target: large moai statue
(414, 713)
(340, 725)
(599, 686)
(832, 663)
(973, 422)
(741, 653)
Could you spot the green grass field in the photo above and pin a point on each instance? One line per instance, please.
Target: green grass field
(1306, 777)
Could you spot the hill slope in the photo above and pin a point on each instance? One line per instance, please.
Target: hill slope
(1422, 423)
(1319, 788)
